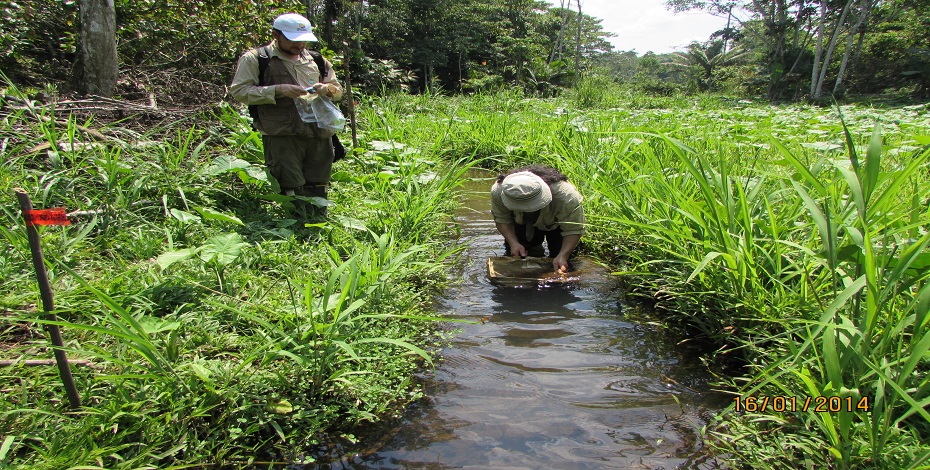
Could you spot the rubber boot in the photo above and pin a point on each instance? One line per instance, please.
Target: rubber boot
(316, 190)
(300, 207)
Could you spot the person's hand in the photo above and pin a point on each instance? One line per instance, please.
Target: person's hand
(325, 89)
(560, 264)
(517, 249)
(290, 91)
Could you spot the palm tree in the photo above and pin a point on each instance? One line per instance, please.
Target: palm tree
(702, 59)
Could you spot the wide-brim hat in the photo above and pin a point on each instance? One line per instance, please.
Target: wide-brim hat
(294, 27)
(525, 191)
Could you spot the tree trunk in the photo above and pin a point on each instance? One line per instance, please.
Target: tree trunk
(830, 49)
(726, 31)
(818, 49)
(359, 15)
(775, 19)
(332, 11)
(859, 29)
(557, 48)
(799, 18)
(578, 48)
(99, 62)
(349, 100)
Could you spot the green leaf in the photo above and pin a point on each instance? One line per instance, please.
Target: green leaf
(703, 264)
(201, 372)
(316, 201)
(380, 145)
(848, 253)
(210, 214)
(184, 217)
(171, 257)
(279, 198)
(281, 407)
(222, 249)
(873, 163)
(5, 448)
(349, 222)
(414, 349)
(225, 164)
(922, 139)
(277, 429)
(341, 176)
(254, 175)
(153, 325)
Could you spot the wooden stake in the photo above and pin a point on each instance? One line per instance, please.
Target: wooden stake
(48, 302)
(350, 100)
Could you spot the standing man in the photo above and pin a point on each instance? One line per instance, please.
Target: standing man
(269, 79)
(535, 204)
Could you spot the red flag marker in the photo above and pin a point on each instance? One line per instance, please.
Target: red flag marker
(54, 216)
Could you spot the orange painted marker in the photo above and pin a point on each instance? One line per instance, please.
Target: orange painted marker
(54, 216)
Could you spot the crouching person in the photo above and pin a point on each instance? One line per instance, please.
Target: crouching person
(534, 204)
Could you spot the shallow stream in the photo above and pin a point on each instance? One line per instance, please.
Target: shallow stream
(551, 377)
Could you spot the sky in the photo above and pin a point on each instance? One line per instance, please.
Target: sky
(646, 25)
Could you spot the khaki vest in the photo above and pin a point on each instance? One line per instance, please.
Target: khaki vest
(282, 118)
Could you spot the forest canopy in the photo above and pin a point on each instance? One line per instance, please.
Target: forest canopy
(780, 50)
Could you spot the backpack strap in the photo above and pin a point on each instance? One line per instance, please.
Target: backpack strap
(320, 63)
(264, 57)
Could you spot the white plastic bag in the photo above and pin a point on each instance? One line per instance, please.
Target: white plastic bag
(328, 114)
(321, 110)
(304, 109)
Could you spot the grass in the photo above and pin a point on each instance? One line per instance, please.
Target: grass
(221, 330)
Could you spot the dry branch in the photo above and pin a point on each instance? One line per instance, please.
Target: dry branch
(41, 362)
(103, 109)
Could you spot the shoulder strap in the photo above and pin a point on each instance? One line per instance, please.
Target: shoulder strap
(320, 63)
(264, 56)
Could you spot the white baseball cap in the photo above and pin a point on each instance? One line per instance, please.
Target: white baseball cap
(294, 27)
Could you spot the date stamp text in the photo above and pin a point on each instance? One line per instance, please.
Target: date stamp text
(820, 404)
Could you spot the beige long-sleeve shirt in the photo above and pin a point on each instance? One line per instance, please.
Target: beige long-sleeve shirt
(565, 210)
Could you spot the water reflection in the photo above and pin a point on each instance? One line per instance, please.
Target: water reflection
(532, 304)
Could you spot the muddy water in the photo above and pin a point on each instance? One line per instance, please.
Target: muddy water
(553, 377)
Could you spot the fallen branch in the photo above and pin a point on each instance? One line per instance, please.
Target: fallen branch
(42, 362)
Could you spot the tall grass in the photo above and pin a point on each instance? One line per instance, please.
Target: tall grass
(871, 337)
(816, 272)
(220, 330)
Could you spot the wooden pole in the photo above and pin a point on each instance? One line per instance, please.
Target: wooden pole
(350, 100)
(48, 302)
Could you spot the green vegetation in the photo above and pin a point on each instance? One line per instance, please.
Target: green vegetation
(218, 328)
(790, 241)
